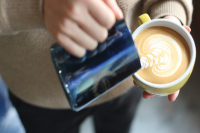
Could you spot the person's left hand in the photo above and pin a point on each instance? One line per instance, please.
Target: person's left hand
(171, 97)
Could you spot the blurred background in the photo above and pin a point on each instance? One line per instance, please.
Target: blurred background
(158, 115)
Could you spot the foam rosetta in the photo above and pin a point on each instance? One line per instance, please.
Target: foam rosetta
(161, 53)
(164, 55)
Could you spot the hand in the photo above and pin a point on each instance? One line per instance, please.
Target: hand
(78, 25)
(171, 97)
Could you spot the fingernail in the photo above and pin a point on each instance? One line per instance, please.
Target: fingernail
(187, 28)
(190, 29)
(119, 11)
(147, 97)
(173, 100)
(152, 96)
(121, 14)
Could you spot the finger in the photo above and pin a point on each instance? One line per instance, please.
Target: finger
(81, 16)
(135, 83)
(70, 29)
(173, 18)
(69, 45)
(93, 28)
(115, 8)
(173, 96)
(187, 28)
(84, 39)
(146, 95)
(102, 13)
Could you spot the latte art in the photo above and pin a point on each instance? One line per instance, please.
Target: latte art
(162, 54)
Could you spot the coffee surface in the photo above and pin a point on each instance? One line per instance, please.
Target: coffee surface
(164, 55)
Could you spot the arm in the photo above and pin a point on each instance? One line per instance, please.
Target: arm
(181, 9)
(72, 23)
(20, 15)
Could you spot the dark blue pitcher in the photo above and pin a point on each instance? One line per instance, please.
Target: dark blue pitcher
(86, 79)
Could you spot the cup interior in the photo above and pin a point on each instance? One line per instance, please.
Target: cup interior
(184, 33)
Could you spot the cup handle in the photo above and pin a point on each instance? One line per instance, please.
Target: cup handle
(143, 19)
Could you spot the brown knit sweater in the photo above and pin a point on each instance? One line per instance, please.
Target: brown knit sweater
(25, 61)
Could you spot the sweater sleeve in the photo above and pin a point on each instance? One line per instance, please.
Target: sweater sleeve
(182, 9)
(20, 15)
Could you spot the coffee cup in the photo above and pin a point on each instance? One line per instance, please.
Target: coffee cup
(155, 85)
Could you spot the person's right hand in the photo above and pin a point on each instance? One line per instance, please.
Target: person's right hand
(78, 25)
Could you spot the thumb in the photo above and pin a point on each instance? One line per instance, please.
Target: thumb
(187, 28)
(112, 4)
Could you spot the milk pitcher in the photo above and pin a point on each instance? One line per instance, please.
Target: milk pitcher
(86, 79)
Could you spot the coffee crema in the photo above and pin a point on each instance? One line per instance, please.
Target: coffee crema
(164, 55)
